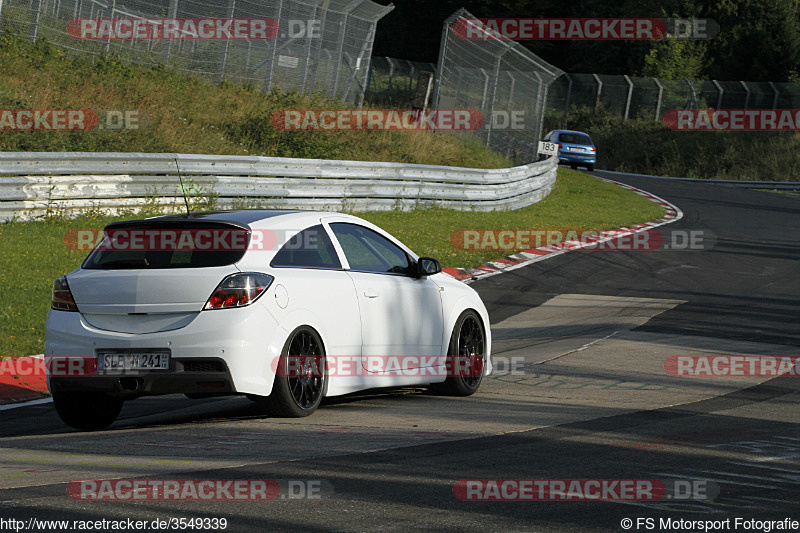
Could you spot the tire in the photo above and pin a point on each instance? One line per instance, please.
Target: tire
(87, 411)
(590, 168)
(466, 357)
(295, 395)
(574, 167)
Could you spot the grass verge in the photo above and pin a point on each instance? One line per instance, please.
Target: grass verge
(34, 254)
(182, 114)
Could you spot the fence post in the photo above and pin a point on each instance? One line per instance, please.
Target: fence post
(107, 44)
(660, 96)
(721, 92)
(747, 94)
(542, 93)
(224, 58)
(270, 63)
(173, 14)
(599, 90)
(338, 64)
(308, 54)
(410, 75)
(490, 118)
(569, 96)
(630, 94)
(693, 103)
(774, 100)
(439, 71)
(33, 29)
(391, 71)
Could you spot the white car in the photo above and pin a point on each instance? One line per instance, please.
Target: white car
(286, 307)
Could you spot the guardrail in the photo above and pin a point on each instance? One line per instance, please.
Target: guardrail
(33, 184)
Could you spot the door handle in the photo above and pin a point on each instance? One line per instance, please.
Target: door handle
(371, 293)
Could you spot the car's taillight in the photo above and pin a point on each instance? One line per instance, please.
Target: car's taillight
(593, 149)
(62, 297)
(239, 290)
(560, 146)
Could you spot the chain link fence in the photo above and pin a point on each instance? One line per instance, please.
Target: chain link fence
(395, 82)
(320, 46)
(506, 82)
(650, 98)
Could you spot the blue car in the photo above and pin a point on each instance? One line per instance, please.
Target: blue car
(575, 148)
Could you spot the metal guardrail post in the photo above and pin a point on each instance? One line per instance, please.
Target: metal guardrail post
(630, 94)
(599, 90)
(721, 92)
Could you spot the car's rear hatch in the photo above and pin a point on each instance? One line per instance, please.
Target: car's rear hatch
(152, 275)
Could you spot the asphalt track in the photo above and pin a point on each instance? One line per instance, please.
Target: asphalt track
(592, 330)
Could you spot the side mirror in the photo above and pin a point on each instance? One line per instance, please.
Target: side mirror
(427, 266)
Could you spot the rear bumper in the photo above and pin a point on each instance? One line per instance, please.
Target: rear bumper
(225, 351)
(216, 380)
(577, 158)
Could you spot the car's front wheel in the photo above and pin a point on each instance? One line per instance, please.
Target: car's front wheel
(87, 411)
(466, 357)
(300, 380)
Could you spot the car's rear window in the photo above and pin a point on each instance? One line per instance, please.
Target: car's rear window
(168, 245)
(574, 138)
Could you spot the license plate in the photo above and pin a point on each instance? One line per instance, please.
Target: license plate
(578, 149)
(133, 361)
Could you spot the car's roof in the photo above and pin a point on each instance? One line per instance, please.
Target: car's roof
(571, 131)
(240, 216)
(243, 218)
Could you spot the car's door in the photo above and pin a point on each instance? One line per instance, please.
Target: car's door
(310, 282)
(401, 315)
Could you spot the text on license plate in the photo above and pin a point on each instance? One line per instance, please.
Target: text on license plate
(133, 361)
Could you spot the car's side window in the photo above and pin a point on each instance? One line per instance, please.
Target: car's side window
(369, 251)
(311, 248)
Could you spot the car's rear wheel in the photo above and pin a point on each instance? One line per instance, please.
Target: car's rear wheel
(574, 167)
(466, 357)
(590, 168)
(87, 411)
(300, 380)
